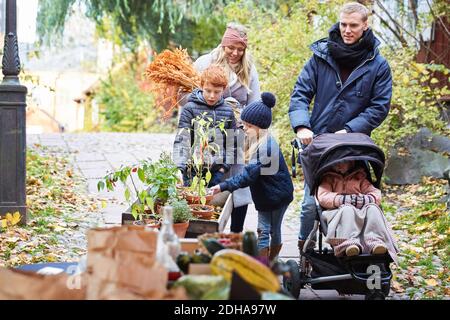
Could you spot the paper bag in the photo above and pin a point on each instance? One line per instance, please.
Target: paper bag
(121, 264)
(26, 285)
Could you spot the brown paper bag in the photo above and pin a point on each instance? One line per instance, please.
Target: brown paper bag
(26, 285)
(121, 264)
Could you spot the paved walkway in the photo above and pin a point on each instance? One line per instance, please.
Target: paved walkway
(94, 154)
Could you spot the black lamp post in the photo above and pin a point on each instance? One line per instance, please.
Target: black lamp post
(12, 123)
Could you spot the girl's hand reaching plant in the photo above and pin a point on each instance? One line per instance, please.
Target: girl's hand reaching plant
(215, 189)
(180, 177)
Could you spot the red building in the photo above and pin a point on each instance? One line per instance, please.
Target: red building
(437, 50)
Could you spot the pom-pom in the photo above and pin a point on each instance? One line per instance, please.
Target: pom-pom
(268, 99)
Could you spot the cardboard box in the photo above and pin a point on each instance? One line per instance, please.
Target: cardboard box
(189, 245)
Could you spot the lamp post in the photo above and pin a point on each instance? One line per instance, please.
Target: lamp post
(12, 123)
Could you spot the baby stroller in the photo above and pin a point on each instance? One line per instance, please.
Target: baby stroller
(320, 269)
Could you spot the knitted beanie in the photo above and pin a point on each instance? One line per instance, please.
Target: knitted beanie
(259, 113)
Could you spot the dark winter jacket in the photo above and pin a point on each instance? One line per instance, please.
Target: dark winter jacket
(358, 105)
(184, 139)
(267, 176)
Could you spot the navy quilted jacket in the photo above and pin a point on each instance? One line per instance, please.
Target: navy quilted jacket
(184, 139)
(267, 176)
(358, 105)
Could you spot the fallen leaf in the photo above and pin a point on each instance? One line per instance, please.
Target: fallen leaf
(397, 287)
(431, 282)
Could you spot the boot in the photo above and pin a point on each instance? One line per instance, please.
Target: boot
(274, 251)
(264, 252)
(264, 255)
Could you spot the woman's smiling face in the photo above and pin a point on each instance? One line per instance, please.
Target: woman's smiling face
(234, 52)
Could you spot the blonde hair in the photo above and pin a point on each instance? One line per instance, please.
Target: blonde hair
(252, 145)
(244, 66)
(352, 7)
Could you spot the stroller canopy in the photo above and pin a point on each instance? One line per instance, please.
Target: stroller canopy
(328, 149)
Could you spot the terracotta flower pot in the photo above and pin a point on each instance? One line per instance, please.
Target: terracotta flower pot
(148, 220)
(154, 224)
(202, 211)
(192, 199)
(181, 228)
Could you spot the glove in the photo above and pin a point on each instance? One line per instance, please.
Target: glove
(362, 200)
(358, 201)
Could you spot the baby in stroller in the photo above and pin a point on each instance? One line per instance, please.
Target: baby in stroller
(356, 223)
(344, 173)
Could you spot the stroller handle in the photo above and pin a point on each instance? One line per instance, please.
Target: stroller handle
(296, 144)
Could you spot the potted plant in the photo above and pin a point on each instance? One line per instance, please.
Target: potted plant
(201, 158)
(181, 216)
(202, 211)
(161, 177)
(159, 184)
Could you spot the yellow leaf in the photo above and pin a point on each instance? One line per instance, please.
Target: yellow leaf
(104, 204)
(397, 287)
(284, 8)
(59, 229)
(434, 80)
(4, 223)
(405, 79)
(431, 282)
(15, 218)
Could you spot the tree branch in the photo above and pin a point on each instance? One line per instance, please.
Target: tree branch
(388, 14)
(439, 18)
(385, 39)
(402, 40)
(404, 29)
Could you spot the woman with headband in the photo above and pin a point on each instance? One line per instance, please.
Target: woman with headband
(233, 56)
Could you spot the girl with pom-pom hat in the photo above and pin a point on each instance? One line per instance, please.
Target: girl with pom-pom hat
(266, 174)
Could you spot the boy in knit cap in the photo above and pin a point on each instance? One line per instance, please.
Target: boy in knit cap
(266, 174)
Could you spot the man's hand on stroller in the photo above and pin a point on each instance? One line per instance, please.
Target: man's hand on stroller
(305, 135)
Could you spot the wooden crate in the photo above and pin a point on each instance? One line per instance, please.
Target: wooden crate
(199, 226)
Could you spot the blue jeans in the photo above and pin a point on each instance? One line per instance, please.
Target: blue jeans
(307, 214)
(269, 227)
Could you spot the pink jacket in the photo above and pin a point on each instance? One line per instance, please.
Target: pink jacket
(334, 184)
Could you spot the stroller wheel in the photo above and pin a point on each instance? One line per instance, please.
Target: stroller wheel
(292, 280)
(375, 295)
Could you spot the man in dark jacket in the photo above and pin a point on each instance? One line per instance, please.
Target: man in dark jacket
(351, 85)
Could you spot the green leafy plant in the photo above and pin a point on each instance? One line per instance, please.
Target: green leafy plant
(202, 151)
(181, 210)
(159, 179)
